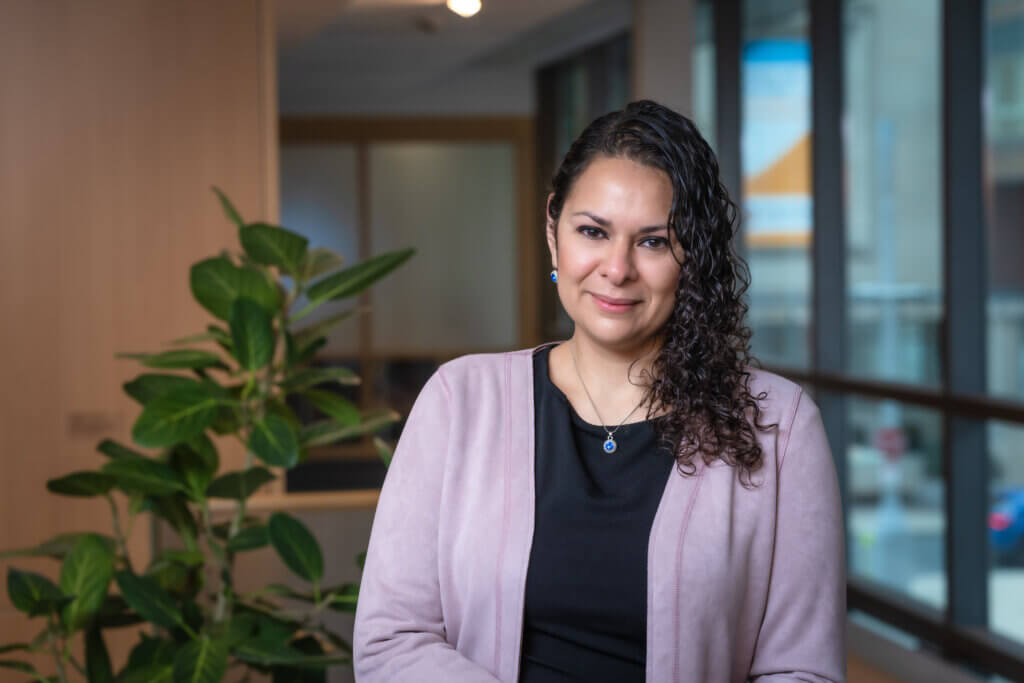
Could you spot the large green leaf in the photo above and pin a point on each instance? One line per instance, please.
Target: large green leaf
(264, 653)
(307, 645)
(201, 661)
(152, 651)
(228, 420)
(296, 546)
(236, 629)
(355, 279)
(148, 599)
(321, 328)
(174, 577)
(85, 484)
(196, 464)
(318, 261)
(178, 416)
(239, 485)
(178, 359)
(85, 574)
(343, 598)
(56, 547)
(385, 451)
(274, 441)
(192, 472)
(252, 331)
(269, 627)
(277, 406)
(175, 511)
(144, 476)
(115, 613)
(217, 282)
(148, 386)
(115, 451)
(328, 431)
(249, 538)
(343, 411)
(309, 377)
(24, 667)
(196, 338)
(296, 355)
(204, 447)
(33, 593)
(272, 245)
(153, 673)
(229, 209)
(97, 659)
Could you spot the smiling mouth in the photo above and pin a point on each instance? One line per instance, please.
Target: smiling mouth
(614, 304)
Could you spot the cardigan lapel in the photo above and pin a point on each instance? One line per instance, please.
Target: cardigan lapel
(519, 510)
(664, 566)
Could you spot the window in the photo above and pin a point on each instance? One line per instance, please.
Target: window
(776, 166)
(1004, 194)
(893, 162)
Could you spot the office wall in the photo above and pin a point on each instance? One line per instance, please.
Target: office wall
(663, 35)
(115, 120)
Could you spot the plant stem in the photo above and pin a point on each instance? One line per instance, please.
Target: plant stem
(71, 658)
(220, 611)
(62, 675)
(118, 534)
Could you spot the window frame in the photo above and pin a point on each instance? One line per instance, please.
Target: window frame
(961, 630)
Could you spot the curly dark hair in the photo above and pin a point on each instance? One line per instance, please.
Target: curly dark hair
(701, 376)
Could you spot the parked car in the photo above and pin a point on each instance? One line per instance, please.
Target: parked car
(1006, 528)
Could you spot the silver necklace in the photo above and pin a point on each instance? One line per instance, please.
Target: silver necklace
(609, 445)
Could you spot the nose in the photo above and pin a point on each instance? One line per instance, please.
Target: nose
(618, 266)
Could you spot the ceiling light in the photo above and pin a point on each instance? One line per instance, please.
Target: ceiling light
(464, 8)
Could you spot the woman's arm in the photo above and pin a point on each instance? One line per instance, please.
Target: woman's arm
(802, 637)
(399, 630)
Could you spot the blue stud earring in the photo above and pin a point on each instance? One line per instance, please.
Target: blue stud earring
(554, 275)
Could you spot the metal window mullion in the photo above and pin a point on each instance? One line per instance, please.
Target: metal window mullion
(828, 328)
(965, 454)
(728, 35)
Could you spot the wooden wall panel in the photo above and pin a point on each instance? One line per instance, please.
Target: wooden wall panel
(115, 120)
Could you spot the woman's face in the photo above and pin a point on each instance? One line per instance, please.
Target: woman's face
(617, 273)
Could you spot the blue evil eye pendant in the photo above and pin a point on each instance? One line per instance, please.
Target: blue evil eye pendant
(610, 445)
(554, 275)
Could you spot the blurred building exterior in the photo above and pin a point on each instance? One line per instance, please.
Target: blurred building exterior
(877, 147)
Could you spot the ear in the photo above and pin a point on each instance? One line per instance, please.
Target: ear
(550, 229)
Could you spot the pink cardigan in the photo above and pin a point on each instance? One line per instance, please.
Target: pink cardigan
(741, 583)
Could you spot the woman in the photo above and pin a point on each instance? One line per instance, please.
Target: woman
(636, 503)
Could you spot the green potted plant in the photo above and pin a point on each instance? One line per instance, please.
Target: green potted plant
(200, 624)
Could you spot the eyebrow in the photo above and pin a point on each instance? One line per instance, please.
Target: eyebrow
(604, 223)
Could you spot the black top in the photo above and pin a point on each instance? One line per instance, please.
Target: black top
(586, 587)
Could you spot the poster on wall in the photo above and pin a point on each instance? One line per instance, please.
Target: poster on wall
(776, 143)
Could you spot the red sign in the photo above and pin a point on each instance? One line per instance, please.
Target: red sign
(892, 441)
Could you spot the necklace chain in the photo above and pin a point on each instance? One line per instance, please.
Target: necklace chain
(609, 444)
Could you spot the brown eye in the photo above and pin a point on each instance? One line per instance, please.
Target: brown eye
(655, 243)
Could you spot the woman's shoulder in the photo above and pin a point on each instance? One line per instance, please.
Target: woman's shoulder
(488, 363)
(469, 375)
(778, 398)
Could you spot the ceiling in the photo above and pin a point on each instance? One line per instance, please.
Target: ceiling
(416, 56)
